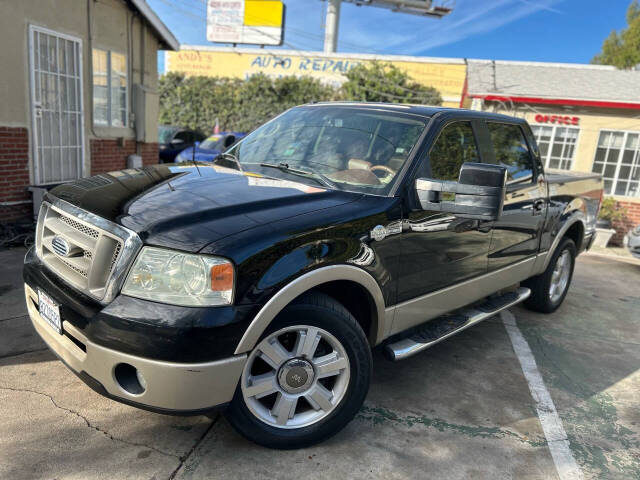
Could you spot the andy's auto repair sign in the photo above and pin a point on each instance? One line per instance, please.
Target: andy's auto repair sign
(447, 75)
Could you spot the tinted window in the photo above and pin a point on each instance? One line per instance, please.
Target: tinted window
(512, 151)
(184, 136)
(455, 145)
(165, 133)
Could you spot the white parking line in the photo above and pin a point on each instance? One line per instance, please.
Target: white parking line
(564, 461)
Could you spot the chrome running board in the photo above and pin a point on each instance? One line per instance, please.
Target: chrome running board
(434, 331)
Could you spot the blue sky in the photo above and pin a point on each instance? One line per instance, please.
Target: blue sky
(533, 30)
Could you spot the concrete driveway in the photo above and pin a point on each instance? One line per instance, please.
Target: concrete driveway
(485, 404)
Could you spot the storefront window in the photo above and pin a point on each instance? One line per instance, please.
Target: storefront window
(557, 145)
(618, 160)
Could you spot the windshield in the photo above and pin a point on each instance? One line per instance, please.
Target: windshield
(165, 132)
(214, 142)
(357, 149)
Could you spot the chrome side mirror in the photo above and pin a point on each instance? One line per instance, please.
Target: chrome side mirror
(478, 193)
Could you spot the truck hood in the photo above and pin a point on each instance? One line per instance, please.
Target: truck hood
(187, 207)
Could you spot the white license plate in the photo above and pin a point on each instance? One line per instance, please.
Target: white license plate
(50, 311)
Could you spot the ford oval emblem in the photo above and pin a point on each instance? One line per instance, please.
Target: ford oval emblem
(61, 246)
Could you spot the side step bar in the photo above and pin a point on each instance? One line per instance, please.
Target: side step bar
(438, 329)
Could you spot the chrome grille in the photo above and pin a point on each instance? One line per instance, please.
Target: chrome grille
(86, 251)
(116, 254)
(91, 232)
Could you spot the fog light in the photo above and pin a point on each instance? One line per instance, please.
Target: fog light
(130, 379)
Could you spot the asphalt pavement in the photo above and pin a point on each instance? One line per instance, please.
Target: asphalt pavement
(470, 407)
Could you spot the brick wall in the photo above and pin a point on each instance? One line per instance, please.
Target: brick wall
(631, 220)
(14, 173)
(107, 154)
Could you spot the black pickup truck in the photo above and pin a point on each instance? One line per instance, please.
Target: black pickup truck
(259, 283)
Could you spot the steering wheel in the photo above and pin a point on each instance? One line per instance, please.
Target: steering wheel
(383, 168)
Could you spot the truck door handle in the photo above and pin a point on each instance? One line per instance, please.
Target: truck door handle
(538, 206)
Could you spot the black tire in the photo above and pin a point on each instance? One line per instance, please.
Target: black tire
(315, 310)
(540, 300)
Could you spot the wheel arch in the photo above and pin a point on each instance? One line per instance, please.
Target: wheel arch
(327, 279)
(573, 226)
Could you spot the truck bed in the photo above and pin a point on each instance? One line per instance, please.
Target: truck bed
(579, 185)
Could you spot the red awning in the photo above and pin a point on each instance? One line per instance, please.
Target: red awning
(559, 101)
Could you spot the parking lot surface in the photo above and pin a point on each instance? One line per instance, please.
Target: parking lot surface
(463, 409)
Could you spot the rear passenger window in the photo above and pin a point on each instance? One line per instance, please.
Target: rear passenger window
(511, 150)
(455, 145)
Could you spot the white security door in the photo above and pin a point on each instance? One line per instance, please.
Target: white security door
(56, 100)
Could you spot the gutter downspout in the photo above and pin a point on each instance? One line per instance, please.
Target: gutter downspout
(142, 52)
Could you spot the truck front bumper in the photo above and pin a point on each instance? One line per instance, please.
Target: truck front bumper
(167, 387)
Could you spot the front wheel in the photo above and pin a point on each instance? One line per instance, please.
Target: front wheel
(549, 289)
(307, 377)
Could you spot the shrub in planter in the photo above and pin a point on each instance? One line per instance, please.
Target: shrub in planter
(610, 212)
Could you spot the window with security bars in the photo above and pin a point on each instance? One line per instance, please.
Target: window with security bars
(557, 145)
(109, 88)
(618, 160)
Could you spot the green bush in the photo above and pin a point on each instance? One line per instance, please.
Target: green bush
(243, 105)
(384, 82)
(611, 211)
(239, 105)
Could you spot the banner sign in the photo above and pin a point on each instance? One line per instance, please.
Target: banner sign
(446, 75)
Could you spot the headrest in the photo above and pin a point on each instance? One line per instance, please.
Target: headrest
(357, 164)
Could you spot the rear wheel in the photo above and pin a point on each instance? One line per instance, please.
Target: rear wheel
(306, 378)
(549, 289)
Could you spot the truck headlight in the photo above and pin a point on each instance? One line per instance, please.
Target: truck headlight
(178, 278)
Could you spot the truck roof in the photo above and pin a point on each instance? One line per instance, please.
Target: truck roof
(422, 110)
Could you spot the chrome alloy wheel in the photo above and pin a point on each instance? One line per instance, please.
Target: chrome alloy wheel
(295, 377)
(560, 276)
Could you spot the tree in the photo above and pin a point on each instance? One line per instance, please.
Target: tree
(239, 105)
(622, 49)
(384, 82)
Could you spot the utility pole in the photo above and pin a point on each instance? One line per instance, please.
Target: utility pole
(331, 26)
(425, 8)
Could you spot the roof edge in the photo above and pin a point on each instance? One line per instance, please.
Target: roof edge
(158, 25)
(576, 102)
(581, 66)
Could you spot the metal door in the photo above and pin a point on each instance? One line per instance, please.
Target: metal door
(56, 105)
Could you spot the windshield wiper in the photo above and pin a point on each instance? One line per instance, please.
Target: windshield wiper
(318, 177)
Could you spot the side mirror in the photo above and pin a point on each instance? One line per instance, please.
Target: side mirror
(479, 192)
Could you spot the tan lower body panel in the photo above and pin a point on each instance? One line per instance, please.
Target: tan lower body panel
(170, 386)
(419, 310)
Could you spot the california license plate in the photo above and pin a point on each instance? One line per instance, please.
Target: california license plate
(50, 311)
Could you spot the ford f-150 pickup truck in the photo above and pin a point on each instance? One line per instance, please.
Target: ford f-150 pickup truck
(259, 283)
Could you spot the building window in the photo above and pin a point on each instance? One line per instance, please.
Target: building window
(557, 145)
(109, 88)
(618, 160)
